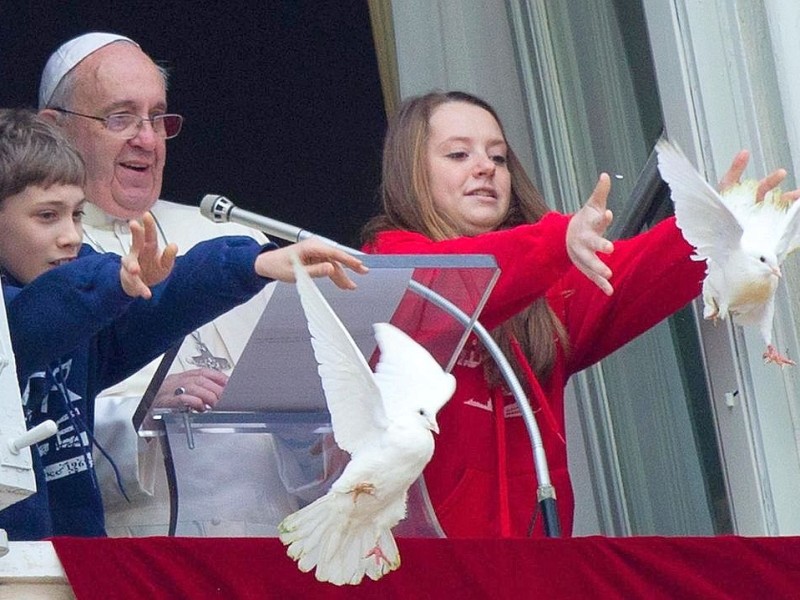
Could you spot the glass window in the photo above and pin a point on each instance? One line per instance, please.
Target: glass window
(587, 70)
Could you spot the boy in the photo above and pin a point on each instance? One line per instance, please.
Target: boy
(67, 316)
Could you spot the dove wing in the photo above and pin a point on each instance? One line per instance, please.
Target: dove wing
(406, 370)
(789, 239)
(701, 214)
(351, 392)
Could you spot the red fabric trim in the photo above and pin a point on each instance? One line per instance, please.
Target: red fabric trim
(594, 567)
(498, 402)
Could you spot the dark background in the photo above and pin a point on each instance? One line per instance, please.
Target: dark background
(282, 98)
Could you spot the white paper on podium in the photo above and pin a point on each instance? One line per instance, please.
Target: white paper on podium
(277, 371)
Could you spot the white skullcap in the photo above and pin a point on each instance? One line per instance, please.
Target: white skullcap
(68, 56)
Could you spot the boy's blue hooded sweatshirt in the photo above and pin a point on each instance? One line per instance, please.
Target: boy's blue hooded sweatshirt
(74, 333)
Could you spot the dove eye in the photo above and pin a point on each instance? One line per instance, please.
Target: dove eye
(762, 259)
(422, 412)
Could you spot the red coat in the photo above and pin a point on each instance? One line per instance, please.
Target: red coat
(481, 479)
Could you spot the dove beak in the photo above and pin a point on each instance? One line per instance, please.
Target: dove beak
(433, 426)
(777, 272)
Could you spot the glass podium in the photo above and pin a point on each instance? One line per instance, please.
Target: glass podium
(267, 448)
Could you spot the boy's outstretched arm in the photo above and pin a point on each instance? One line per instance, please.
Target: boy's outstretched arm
(319, 259)
(146, 264)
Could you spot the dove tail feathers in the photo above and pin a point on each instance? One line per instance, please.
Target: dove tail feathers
(342, 551)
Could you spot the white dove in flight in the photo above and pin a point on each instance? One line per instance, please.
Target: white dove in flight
(743, 241)
(384, 420)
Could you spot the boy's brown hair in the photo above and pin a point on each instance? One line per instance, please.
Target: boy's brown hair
(35, 152)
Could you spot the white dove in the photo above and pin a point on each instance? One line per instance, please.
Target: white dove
(385, 421)
(743, 242)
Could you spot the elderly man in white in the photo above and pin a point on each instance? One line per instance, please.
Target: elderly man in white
(110, 98)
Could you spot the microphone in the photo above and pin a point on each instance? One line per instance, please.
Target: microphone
(222, 210)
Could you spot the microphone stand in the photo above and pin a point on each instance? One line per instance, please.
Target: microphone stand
(219, 208)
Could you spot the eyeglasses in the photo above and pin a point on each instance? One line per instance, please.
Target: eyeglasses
(127, 126)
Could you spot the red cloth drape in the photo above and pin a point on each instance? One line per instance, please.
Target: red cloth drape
(590, 567)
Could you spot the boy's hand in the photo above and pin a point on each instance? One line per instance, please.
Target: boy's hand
(145, 265)
(319, 259)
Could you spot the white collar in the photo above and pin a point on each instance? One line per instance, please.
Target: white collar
(95, 216)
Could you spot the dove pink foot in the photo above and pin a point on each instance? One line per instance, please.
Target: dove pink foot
(378, 554)
(773, 356)
(362, 488)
